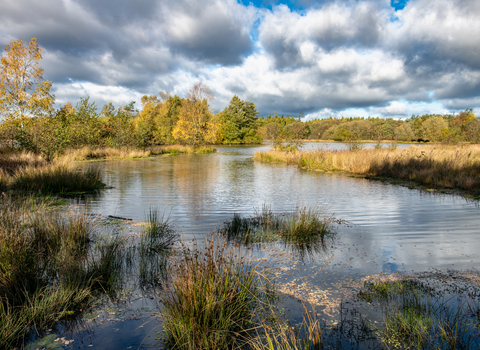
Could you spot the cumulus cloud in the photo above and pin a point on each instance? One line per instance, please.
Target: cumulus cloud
(334, 57)
(283, 32)
(72, 92)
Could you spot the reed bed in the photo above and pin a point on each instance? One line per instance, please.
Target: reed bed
(456, 167)
(211, 299)
(26, 172)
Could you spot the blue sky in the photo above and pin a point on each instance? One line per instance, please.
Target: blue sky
(387, 58)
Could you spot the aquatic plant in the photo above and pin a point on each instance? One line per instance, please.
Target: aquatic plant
(305, 225)
(156, 241)
(418, 316)
(211, 299)
(51, 265)
(305, 229)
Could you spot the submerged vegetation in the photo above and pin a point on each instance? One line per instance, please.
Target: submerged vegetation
(425, 314)
(435, 166)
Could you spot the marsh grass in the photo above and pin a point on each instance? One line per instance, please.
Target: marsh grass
(211, 299)
(306, 229)
(103, 153)
(305, 225)
(418, 316)
(52, 264)
(177, 149)
(278, 333)
(444, 166)
(261, 227)
(26, 172)
(156, 243)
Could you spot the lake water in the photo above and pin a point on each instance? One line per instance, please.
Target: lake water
(385, 228)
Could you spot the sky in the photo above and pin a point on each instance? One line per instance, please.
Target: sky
(379, 58)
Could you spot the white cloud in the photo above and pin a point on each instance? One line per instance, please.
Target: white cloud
(335, 58)
(395, 109)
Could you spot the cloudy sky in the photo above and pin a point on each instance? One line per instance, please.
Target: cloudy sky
(390, 58)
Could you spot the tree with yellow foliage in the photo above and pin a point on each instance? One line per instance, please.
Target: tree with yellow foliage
(196, 125)
(160, 115)
(23, 92)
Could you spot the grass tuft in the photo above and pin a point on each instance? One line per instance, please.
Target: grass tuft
(156, 241)
(306, 229)
(211, 300)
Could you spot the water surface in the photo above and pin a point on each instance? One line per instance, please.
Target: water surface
(385, 228)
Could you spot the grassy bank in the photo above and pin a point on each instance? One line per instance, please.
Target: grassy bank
(28, 173)
(455, 167)
(112, 153)
(177, 149)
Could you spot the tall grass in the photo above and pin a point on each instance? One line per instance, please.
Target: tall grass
(278, 333)
(26, 172)
(439, 165)
(57, 178)
(49, 267)
(176, 149)
(103, 153)
(211, 299)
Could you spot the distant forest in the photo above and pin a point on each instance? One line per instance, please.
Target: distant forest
(166, 119)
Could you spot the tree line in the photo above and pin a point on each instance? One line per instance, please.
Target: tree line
(449, 128)
(29, 120)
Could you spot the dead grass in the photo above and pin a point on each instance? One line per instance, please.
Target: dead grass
(445, 166)
(88, 153)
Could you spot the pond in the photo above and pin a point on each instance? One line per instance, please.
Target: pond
(382, 228)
